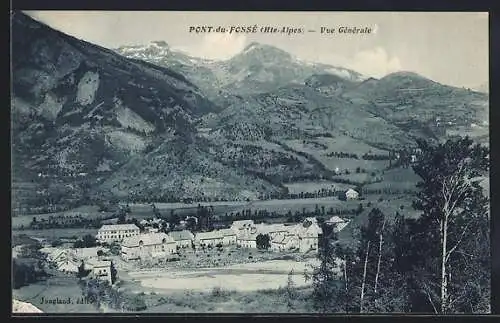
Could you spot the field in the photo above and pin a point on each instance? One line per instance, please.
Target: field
(398, 178)
(56, 233)
(250, 287)
(226, 301)
(347, 144)
(220, 208)
(88, 211)
(238, 277)
(319, 148)
(312, 187)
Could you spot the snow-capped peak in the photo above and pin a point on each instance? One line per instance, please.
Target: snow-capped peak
(250, 47)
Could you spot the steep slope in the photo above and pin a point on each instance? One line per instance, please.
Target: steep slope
(61, 85)
(80, 112)
(296, 112)
(179, 169)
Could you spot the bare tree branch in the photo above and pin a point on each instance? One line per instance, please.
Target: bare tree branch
(457, 244)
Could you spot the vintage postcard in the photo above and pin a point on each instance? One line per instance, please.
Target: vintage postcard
(250, 162)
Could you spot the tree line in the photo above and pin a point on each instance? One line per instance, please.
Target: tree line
(387, 191)
(365, 156)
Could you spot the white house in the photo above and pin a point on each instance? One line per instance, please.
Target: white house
(63, 259)
(211, 238)
(68, 266)
(351, 194)
(149, 245)
(228, 237)
(183, 238)
(117, 232)
(247, 240)
(99, 269)
(285, 242)
(278, 244)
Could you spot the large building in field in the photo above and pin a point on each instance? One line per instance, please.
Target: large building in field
(183, 238)
(211, 238)
(247, 240)
(228, 237)
(148, 246)
(273, 230)
(287, 242)
(117, 232)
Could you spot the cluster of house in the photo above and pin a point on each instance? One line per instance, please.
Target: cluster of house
(136, 245)
(156, 245)
(69, 260)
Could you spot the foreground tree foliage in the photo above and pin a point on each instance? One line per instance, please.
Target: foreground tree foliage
(456, 219)
(437, 263)
(102, 294)
(327, 288)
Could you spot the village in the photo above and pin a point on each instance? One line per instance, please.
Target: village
(124, 247)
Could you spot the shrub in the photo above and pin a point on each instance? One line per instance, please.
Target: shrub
(219, 292)
(136, 303)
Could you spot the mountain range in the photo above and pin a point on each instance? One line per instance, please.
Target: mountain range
(151, 123)
(258, 68)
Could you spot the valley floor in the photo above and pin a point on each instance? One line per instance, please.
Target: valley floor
(239, 277)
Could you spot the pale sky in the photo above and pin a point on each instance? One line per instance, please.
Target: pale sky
(449, 47)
